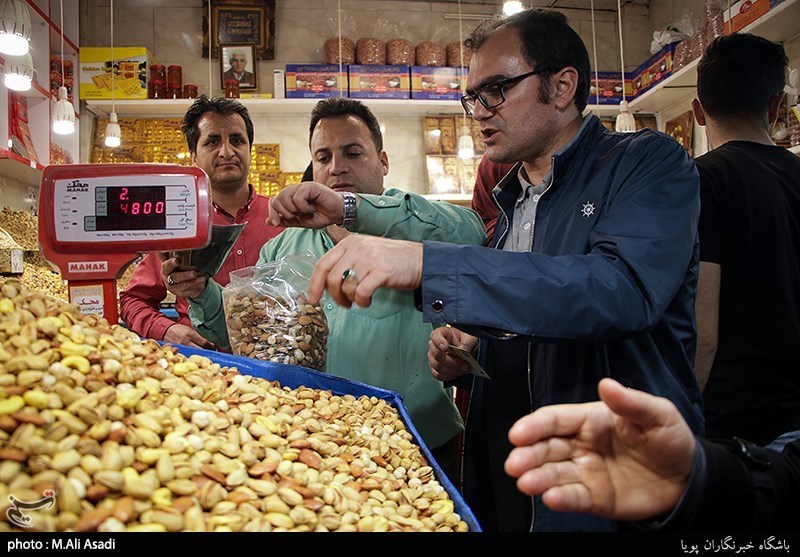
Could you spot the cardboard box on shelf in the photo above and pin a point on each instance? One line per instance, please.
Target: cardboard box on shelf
(610, 84)
(653, 70)
(129, 81)
(744, 12)
(379, 82)
(315, 81)
(437, 83)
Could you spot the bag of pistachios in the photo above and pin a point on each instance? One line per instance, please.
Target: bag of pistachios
(268, 315)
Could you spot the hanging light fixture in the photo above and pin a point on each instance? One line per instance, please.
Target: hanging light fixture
(19, 72)
(625, 121)
(466, 147)
(113, 132)
(64, 115)
(512, 7)
(15, 28)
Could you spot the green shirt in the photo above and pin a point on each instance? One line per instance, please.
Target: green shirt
(386, 344)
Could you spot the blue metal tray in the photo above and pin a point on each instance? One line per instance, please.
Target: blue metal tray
(296, 376)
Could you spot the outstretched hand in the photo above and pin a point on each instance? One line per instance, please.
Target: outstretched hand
(627, 457)
(306, 205)
(357, 266)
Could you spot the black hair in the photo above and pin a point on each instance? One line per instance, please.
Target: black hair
(220, 105)
(547, 42)
(339, 107)
(308, 173)
(739, 74)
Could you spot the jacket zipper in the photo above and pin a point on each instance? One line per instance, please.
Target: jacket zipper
(464, 443)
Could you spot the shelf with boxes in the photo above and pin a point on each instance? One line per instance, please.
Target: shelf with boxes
(775, 20)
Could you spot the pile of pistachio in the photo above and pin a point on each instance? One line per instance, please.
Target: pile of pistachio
(112, 433)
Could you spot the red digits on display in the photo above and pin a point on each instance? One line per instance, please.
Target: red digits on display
(123, 207)
(147, 208)
(159, 207)
(135, 208)
(123, 196)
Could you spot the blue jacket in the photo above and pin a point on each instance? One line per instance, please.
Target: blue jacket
(607, 291)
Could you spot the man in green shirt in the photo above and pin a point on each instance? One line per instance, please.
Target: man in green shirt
(386, 344)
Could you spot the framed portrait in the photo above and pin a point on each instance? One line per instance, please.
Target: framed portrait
(680, 129)
(240, 22)
(239, 62)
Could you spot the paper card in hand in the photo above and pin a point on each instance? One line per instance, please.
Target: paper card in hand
(461, 354)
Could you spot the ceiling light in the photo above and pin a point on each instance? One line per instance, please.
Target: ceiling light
(19, 72)
(64, 115)
(113, 132)
(15, 28)
(625, 121)
(512, 7)
(466, 147)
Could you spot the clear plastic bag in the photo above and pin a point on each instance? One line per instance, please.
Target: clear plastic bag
(399, 50)
(332, 47)
(268, 315)
(456, 52)
(372, 49)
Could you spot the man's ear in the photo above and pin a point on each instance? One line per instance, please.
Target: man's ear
(566, 85)
(193, 155)
(699, 115)
(774, 105)
(384, 162)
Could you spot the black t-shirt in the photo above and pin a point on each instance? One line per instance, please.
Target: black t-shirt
(750, 226)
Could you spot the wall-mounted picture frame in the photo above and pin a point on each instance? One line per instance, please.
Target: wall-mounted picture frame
(239, 62)
(680, 129)
(240, 22)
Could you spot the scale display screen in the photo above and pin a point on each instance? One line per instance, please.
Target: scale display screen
(142, 208)
(124, 208)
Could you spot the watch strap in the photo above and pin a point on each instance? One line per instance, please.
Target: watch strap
(350, 210)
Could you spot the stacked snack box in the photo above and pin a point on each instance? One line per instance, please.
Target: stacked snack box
(129, 81)
(437, 83)
(653, 70)
(610, 84)
(379, 82)
(312, 81)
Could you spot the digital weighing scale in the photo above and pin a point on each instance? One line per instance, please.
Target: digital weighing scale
(94, 219)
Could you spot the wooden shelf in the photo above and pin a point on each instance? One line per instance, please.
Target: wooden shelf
(778, 25)
(274, 107)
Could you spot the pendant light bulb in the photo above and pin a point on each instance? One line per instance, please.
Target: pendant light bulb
(64, 115)
(466, 147)
(625, 123)
(512, 7)
(113, 132)
(19, 72)
(15, 28)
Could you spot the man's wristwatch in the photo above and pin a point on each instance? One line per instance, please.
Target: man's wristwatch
(350, 210)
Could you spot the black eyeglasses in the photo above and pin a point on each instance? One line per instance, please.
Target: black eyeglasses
(493, 95)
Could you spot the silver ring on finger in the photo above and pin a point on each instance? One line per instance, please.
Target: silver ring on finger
(170, 280)
(349, 274)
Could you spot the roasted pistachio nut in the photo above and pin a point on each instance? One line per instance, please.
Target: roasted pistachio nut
(156, 441)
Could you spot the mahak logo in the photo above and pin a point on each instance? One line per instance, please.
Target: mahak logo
(15, 512)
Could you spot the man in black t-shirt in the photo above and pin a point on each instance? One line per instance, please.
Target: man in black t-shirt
(748, 297)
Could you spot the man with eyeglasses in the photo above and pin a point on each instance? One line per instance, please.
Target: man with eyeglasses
(593, 273)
